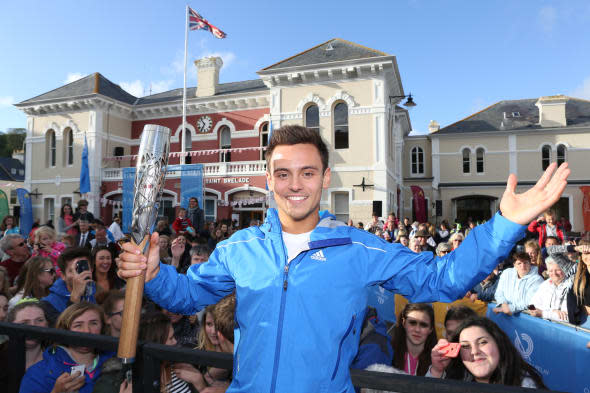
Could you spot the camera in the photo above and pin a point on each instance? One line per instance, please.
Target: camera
(82, 266)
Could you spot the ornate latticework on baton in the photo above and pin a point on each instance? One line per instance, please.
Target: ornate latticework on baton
(149, 182)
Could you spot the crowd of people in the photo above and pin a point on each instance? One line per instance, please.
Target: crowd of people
(67, 278)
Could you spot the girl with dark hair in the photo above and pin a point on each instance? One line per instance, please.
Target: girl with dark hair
(8, 226)
(414, 337)
(39, 277)
(66, 223)
(104, 272)
(486, 356)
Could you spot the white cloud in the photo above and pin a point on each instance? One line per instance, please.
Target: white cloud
(547, 18)
(160, 86)
(6, 101)
(72, 77)
(582, 91)
(135, 88)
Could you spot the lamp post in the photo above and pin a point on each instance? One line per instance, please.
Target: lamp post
(409, 102)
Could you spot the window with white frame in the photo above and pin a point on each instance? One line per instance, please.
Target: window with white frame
(479, 160)
(225, 143)
(312, 117)
(561, 154)
(49, 205)
(210, 209)
(341, 126)
(545, 156)
(417, 158)
(263, 139)
(68, 146)
(466, 160)
(50, 152)
(341, 210)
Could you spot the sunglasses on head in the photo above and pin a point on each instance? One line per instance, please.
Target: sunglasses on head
(50, 270)
(413, 323)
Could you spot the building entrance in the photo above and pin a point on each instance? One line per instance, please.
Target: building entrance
(474, 207)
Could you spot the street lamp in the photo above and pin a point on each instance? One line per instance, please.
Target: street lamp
(409, 102)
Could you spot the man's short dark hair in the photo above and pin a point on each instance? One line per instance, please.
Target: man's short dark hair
(201, 249)
(294, 135)
(459, 313)
(554, 238)
(522, 256)
(70, 254)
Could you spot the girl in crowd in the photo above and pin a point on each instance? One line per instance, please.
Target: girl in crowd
(456, 239)
(8, 226)
(104, 272)
(532, 248)
(66, 223)
(164, 242)
(47, 246)
(486, 356)
(39, 277)
(550, 300)
(4, 281)
(579, 297)
(53, 373)
(414, 337)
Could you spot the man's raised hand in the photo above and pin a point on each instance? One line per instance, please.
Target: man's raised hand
(524, 208)
(132, 262)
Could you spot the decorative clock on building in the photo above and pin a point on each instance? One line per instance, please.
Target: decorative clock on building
(204, 124)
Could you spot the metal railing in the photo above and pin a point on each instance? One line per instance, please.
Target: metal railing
(152, 354)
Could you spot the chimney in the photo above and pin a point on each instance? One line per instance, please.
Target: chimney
(552, 111)
(208, 75)
(433, 126)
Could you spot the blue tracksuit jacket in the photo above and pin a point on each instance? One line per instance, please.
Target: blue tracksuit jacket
(299, 323)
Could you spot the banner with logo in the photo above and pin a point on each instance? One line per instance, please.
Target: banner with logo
(4, 210)
(420, 208)
(556, 350)
(191, 183)
(26, 212)
(586, 207)
(128, 192)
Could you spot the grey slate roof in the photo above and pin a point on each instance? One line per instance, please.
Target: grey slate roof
(6, 166)
(521, 115)
(341, 50)
(91, 84)
(222, 88)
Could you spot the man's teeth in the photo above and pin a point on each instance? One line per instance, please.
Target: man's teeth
(296, 198)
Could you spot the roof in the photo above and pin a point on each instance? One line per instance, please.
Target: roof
(222, 88)
(91, 84)
(330, 51)
(7, 164)
(520, 115)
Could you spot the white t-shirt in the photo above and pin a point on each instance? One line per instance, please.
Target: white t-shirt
(295, 243)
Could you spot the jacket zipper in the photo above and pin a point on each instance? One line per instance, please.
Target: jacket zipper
(340, 346)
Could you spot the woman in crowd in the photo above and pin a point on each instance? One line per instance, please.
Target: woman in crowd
(532, 248)
(154, 327)
(443, 249)
(53, 374)
(402, 238)
(66, 223)
(4, 281)
(180, 249)
(46, 246)
(104, 272)
(550, 300)
(3, 308)
(164, 242)
(8, 226)
(414, 337)
(414, 245)
(579, 297)
(456, 239)
(486, 356)
(39, 277)
(163, 227)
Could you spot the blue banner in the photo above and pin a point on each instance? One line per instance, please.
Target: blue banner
(128, 192)
(26, 211)
(84, 171)
(556, 350)
(191, 183)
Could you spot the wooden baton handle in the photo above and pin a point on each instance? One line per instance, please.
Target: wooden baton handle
(131, 314)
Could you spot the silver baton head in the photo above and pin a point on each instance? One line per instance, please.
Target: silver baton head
(150, 173)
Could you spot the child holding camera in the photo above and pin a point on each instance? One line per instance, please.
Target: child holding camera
(75, 286)
(47, 246)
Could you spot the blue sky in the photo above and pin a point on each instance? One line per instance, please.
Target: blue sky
(455, 57)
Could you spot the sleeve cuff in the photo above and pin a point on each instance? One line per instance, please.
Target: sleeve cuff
(506, 230)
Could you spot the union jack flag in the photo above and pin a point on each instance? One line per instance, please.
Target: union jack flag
(197, 22)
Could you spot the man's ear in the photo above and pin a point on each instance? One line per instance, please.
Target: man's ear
(269, 181)
(327, 178)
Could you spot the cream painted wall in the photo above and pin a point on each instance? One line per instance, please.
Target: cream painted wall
(360, 90)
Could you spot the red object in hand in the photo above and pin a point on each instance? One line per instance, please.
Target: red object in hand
(451, 350)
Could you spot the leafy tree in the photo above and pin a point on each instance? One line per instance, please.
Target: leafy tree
(12, 140)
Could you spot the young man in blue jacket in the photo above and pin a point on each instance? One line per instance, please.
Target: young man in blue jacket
(301, 277)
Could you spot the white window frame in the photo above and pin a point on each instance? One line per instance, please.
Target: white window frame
(419, 151)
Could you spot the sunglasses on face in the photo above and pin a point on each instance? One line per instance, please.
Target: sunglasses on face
(22, 243)
(457, 241)
(414, 323)
(50, 270)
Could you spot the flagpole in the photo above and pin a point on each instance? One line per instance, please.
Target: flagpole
(183, 142)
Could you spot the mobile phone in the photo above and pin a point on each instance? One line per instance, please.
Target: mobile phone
(82, 265)
(451, 350)
(79, 368)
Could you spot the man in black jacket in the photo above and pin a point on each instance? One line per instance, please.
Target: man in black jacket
(196, 215)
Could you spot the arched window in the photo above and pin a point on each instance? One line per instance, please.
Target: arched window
(479, 156)
(263, 139)
(51, 152)
(312, 117)
(225, 143)
(561, 154)
(341, 126)
(545, 156)
(68, 146)
(188, 145)
(417, 161)
(466, 160)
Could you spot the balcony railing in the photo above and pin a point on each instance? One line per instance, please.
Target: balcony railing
(240, 168)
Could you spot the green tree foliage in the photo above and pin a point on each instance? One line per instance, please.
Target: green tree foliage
(11, 140)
